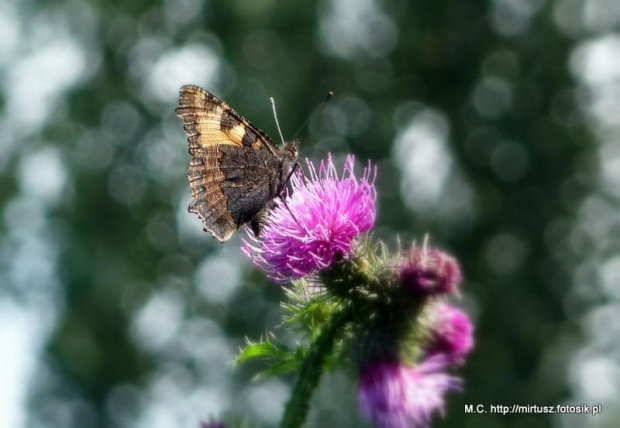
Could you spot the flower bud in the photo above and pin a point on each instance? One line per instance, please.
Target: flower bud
(451, 334)
(431, 272)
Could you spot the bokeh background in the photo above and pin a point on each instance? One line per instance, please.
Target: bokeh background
(495, 126)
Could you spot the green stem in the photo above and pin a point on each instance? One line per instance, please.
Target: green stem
(311, 370)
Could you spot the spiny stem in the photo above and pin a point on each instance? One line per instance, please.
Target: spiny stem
(311, 370)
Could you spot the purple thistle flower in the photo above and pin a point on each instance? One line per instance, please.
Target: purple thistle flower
(451, 334)
(430, 272)
(329, 212)
(396, 396)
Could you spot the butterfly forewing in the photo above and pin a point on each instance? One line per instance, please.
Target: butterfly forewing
(210, 121)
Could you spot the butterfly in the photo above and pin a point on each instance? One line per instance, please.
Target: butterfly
(236, 170)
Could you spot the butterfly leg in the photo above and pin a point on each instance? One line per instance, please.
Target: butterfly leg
(295, 167)
(289, 210)
(258, 222)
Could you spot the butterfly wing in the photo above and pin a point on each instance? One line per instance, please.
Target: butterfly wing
(231, 185)
(235, 168)
(210, 121)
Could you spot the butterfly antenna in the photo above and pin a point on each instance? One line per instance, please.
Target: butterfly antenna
(275, 116)
(318, 108)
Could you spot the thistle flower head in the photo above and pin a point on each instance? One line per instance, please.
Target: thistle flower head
(325, 213)
(452, 334)
(430, 272)
(396, 396)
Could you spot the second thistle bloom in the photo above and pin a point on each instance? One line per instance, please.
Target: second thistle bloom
(327, 212)
(393, 395)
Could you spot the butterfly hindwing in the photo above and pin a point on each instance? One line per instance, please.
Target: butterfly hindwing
(230, 185)
(208, 200)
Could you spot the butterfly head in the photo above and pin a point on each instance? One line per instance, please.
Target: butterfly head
(290, 149)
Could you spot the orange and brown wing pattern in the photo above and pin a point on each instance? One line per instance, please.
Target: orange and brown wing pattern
(210, 121)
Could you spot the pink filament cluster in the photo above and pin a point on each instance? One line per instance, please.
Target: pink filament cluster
(325, 213)
(393, 395)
